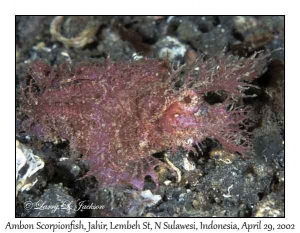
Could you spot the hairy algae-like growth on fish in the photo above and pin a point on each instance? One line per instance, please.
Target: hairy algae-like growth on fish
(117, 114)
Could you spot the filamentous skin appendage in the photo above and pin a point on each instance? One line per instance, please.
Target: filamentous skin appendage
(117, 114)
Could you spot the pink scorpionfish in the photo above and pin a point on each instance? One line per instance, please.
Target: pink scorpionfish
(117, 114)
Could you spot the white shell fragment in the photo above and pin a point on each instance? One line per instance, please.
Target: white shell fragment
(35, 163)
(188, 165)
(148, 196)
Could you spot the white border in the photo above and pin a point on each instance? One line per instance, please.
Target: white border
(153, 7)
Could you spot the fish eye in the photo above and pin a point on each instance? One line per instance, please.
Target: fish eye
(187, 99)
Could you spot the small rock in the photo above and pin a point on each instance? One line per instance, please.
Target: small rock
(181, 197)
(167, 182)
(195, 204)
(271, 206)
(171, 48)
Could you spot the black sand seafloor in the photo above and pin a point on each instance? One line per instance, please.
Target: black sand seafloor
(214, 182)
